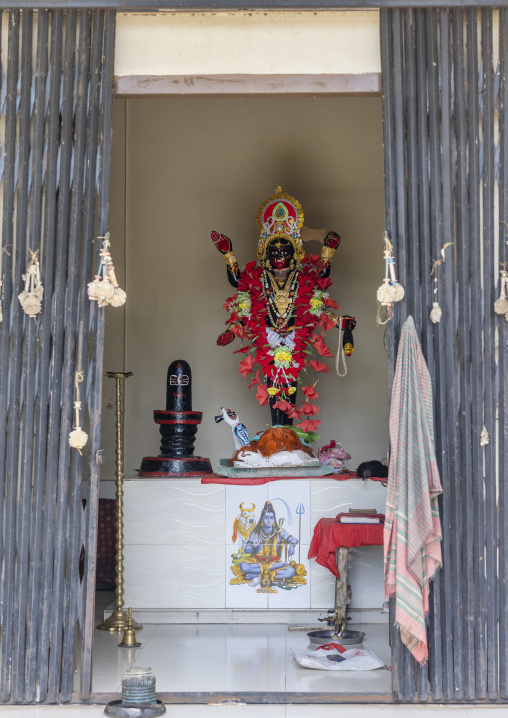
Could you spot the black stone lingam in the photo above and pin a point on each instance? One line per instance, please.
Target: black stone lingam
(178, 426)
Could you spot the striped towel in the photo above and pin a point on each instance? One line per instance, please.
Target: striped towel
(412, 532)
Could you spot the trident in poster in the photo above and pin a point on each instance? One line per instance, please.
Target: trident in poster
(300, 510)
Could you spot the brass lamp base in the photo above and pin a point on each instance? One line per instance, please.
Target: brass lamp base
(129, 639)
(118, 621)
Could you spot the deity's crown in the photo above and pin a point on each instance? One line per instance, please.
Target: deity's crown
(280, 216)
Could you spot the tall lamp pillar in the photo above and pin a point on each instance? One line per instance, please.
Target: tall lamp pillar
(119, 619)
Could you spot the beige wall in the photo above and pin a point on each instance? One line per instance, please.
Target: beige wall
(166, 43)
(185, 167)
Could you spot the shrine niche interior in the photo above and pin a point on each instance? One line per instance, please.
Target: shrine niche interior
(182, 168)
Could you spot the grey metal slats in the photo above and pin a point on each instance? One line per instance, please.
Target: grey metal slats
(444, 138)
(502, 364)
(58, 113)
(96, 386)
(11, 410)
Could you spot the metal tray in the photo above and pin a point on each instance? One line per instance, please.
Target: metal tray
(349, 638)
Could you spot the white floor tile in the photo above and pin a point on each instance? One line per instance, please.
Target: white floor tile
(268, 711)
(312, 681)
(106, 683)
(226, 711)
(52, 711)
(376, 711)
(211, 681)
(229, 658)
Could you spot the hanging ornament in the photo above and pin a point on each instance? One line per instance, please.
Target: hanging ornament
(390, 291)
(2, 250)
(501, 304)
(105, 289)
(345, 325)
(78, 437)
(484, 437)
(436, 312)
(119, 296)
(31, 297)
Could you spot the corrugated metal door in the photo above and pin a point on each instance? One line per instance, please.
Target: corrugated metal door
(445, 96)
(56, 85)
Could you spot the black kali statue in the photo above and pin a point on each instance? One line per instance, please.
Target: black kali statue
(281, 301)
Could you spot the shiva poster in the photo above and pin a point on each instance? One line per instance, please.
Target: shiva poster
(267, 556)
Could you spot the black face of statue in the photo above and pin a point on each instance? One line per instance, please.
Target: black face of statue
(280, 252)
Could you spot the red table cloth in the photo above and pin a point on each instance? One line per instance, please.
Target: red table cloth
(233, 481)
(330, 534)
(216, 479)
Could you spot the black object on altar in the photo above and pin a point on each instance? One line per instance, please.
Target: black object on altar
(178, 426)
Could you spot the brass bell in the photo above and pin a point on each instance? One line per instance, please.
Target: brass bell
(129, 635)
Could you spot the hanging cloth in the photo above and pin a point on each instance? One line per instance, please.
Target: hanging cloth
(412, 533)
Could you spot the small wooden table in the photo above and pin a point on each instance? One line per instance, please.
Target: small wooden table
(330, 546)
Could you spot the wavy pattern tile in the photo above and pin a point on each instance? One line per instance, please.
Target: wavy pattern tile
(173, 512)
(322, 586)
(329, 499)
(365, 576)
(177, 535)
(189, 576)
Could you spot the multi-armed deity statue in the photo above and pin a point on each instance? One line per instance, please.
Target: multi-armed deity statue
(281, 310)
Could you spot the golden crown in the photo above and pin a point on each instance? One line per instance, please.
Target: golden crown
(280, 216)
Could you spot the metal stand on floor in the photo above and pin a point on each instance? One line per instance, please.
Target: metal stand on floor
(119, 619)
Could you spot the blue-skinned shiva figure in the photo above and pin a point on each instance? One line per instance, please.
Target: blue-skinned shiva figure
(265, 545)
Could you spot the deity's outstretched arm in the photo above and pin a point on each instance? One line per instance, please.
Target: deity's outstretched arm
(225, 247)
(332, 241)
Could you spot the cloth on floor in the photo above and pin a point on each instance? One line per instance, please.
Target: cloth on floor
(412, 531)
(355, 659)
(330, 534)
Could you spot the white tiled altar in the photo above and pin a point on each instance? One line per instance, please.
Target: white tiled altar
(178, 548)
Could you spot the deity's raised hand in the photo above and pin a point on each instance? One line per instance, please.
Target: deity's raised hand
(222, 243)
(332, 240)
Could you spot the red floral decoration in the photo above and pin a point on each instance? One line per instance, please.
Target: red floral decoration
(309, 409)
(252, 324)
(310, 392)
(318, 366)
(309, 425)
(262, 395)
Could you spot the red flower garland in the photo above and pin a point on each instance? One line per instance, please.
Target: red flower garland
(253, 327)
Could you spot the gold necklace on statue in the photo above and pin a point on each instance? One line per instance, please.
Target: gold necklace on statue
(280, 299)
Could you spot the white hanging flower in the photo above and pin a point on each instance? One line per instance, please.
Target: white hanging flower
(104, 289)
(31, 297)
(501, 304)
(398, 292)
(77, 437)
(119, 297)
(435, 313)
(484, 437)
(385, 292)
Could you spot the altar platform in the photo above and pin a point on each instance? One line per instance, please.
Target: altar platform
(181, 561)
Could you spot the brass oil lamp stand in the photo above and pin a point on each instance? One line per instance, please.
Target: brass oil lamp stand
(119, 619)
